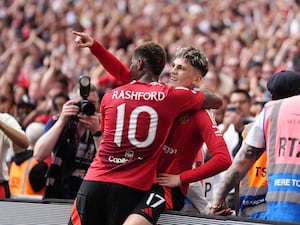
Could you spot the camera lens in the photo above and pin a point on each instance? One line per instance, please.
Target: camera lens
(84, 81)
(84, 86)
(88, 108)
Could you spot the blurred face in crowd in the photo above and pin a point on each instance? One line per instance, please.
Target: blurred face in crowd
(23, 110)
(34, 90)
(242, 103)
(57, 102)
(6, 103)
(210, 81)
(267, 71)
(232, 68)
(255, 71)
(183, 74)
(19, 91)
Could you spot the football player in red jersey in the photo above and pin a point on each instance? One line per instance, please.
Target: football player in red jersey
(189, 131)
(189, 66)
(125, 165)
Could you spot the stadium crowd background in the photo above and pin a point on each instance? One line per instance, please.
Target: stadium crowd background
(245, 42)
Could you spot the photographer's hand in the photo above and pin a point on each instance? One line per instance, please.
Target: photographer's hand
(69, 109)
(90, 122)
(93, 124)
(83, 39)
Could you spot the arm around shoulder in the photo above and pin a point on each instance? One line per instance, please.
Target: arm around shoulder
(211, 100)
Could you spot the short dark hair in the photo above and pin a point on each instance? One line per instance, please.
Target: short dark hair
(59, 95)
(153, 55)
(242, 91)
(253, 64)
(195, 57)
(63, 79)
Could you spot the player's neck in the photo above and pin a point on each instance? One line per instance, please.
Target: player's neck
(148, 78)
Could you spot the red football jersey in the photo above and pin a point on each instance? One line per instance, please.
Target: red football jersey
(136, 119)
(188, 133)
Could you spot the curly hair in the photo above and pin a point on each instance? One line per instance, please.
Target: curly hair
(153, 55)
(195, 57)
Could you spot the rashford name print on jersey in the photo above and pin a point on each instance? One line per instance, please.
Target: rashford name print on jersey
(139, 95)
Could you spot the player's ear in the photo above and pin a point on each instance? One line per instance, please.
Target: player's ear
(140, 64)
(197, 80)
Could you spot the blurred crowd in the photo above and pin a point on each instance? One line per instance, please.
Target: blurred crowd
(244, 41)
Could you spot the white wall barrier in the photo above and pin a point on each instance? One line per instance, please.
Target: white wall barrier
(54, 212)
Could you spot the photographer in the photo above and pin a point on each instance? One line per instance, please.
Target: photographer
(72, 137)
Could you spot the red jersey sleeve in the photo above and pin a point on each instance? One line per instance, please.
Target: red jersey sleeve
(111, 63)
(188, 99)
(216, 145)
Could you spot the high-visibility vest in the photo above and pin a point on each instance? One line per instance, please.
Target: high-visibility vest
(282, 134)
(19, 183)
(253, 187)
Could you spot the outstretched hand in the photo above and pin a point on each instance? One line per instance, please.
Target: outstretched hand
(168, 180)
(82, 39)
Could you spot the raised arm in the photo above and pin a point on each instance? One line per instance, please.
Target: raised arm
(113, 65)
(47, 141)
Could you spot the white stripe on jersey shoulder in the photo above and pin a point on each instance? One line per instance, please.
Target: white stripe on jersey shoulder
(152, 83)
(156, 83)
(184, 88)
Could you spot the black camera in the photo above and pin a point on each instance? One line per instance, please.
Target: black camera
(85, 106)
(232, 108)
